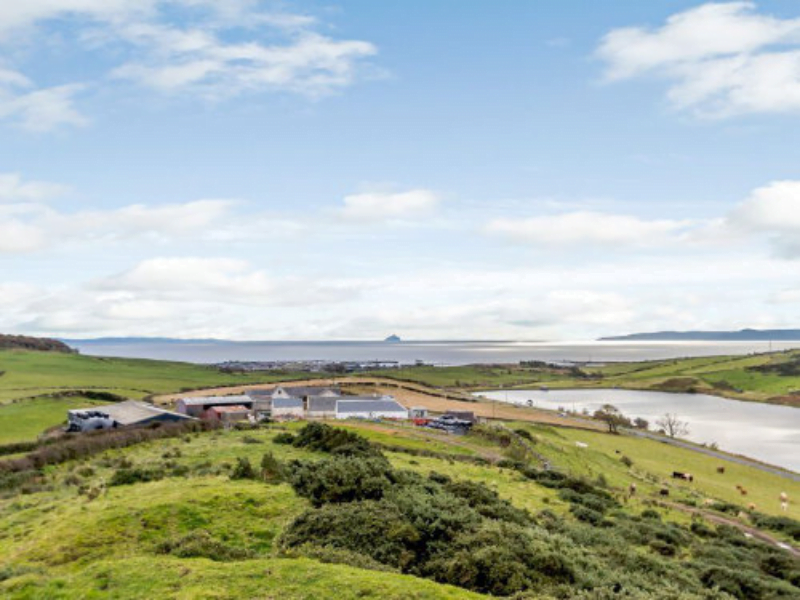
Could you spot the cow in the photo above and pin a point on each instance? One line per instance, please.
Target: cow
(784, 498)
(751, 506)
(721, 470)
(680, 475)
(664, 492)
(632, 489)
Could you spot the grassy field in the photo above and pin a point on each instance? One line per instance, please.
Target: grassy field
(29, 374)
(729, 376)
(24, 420)
(60, 543)
(32, 385)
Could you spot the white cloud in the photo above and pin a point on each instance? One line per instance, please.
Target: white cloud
(227, 280)
(198, 47)
(379, 206)
(38, 109)
(14, 189)
(27, 224)
(774, 211)
(722, 59)
(587, 228)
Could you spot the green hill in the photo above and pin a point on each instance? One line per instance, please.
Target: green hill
(165, 519)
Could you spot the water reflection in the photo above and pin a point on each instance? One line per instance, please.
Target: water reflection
(762, 431)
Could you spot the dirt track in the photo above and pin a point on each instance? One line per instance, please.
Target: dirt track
(409, 395)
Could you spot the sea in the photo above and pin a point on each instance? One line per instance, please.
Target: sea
(440, 353)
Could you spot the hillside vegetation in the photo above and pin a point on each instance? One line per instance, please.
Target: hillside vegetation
(387, 511)
(24, 342)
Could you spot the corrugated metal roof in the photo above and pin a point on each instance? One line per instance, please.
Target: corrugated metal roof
(373, 405)
(131, 412)
(287, 403)
(203, 400)
(311, 390)
(322, 404)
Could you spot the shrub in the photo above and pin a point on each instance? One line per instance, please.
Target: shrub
(271, 469)
(341, 479)
(243, 469)
(201, 544)
(324, 438)
(283, 438)
(377, 530)
(128, 476)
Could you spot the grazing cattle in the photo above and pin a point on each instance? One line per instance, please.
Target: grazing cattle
(681, 475)
(784, 497)
(632, 489)
(743, 491)
(721, 470)
(617, 451)
(751, 506)
(664, 492)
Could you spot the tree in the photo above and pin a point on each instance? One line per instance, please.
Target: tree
(641, 423)
(672, 425)
(612, 417)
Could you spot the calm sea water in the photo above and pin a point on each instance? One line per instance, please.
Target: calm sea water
(440, 353)
(762, 431)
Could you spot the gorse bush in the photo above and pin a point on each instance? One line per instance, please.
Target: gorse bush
(243, 469)
(368, 514)
(324, 438)
(272, 471)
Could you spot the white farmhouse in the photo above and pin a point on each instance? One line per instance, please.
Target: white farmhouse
(370, 408)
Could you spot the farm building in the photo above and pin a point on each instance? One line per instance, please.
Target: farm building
(130, 413)
(385, 407)
(228, 414)
(288, 408)
(463, 415)
(418, 412)
(322, 407)
(197, 407)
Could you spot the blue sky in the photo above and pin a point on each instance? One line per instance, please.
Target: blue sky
(439, 169)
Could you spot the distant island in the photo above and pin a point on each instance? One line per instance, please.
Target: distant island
(743, 335)
(393, 339)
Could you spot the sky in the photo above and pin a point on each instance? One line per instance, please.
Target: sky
(437, 169)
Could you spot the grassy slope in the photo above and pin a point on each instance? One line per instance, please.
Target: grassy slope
(23, 420)
(57, 544)
(27, 375)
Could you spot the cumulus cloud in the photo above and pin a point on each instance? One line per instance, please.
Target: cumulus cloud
(198, 47)
(378, 206)
(588, 228)
(13, 188)
(28, 224)
(721, 59)
(38, 109)
(772, 210)
(227, 280)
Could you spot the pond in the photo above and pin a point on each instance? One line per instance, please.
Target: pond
(765, 432)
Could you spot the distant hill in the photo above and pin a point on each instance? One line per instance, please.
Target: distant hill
(743, 335)
(24, 342)
(393, 339)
